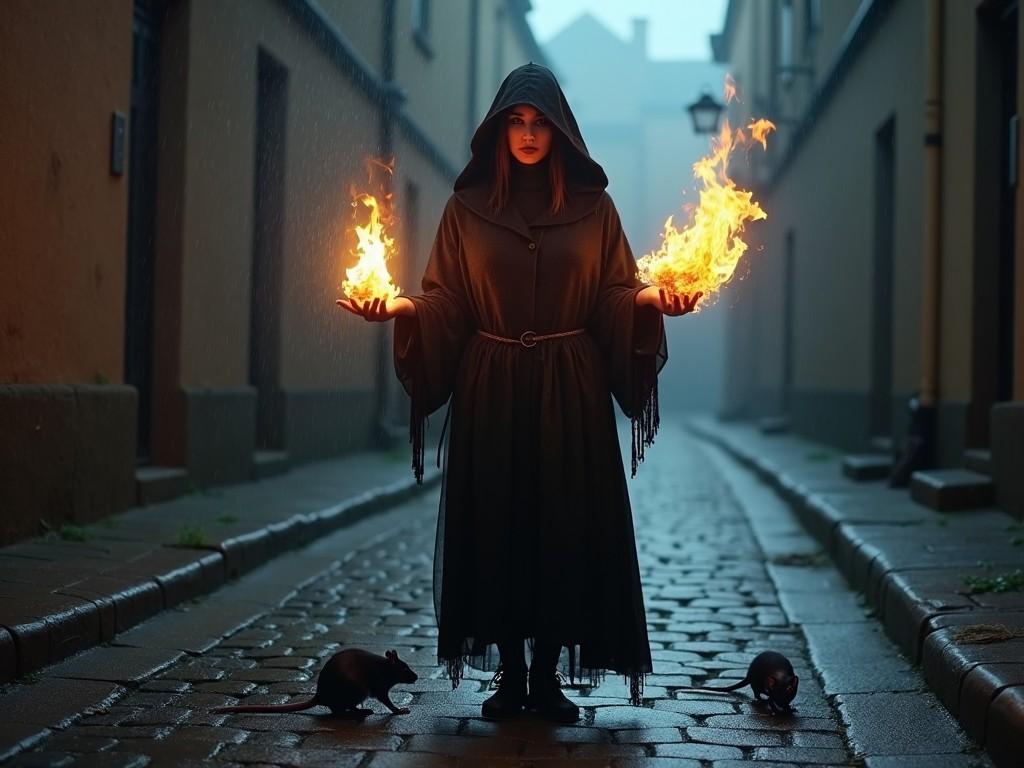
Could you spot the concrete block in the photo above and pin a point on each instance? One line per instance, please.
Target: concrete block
(156, 484)
(863, 467)
(1004, 733)
(952, 490)
(220, 429)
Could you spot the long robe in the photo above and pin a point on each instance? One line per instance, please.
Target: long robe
(535, 534)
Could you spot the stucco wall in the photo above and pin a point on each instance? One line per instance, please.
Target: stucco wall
(63, 216)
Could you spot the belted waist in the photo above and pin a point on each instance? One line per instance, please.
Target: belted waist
(530, 338)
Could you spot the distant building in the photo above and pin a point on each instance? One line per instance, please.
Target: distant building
(173, 220)
(893, 263)
(632, 112)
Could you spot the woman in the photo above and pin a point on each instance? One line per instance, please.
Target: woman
(531, 316)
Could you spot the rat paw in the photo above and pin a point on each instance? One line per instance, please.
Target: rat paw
(403, 711)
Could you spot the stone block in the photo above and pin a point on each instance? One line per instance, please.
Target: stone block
(115, 664)
(911, 598)
(55, 703)
(104, 439)
(220, 428)
(1005, 731)
(864, 467)
(952, 490)
(36, 458)
(924, 727)
(981, 684)
(156, 484)
(133, 600)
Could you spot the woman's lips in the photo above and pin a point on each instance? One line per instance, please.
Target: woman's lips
(528, 150)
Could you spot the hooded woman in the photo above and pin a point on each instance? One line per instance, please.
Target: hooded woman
(531, 319)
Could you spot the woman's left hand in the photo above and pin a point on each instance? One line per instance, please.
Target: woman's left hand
(668, 303)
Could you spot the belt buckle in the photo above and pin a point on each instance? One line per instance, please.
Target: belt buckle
(528, 339)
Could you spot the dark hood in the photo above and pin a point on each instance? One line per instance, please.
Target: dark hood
(535, 85)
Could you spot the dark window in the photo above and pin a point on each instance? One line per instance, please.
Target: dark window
(421, 27)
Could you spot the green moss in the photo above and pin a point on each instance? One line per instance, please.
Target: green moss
(1010, 581)
(227, 518)
(74, 533)
(192, 536)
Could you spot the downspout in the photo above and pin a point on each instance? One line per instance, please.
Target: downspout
(919, 451)
(380, 433)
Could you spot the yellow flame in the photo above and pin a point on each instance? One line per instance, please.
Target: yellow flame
(703, 255)
(759, 130)
(369, 279)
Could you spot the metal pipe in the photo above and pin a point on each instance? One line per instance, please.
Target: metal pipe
(931, 242)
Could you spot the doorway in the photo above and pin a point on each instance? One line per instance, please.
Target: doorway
(147, 16)
(268, 238)
(882, 279)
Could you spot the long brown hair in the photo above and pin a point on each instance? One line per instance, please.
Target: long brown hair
(503, 169)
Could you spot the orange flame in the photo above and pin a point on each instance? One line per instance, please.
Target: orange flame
(703, 255)
(369, 279)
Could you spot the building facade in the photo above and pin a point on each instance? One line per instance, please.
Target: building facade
(633, 114)
(175, 222)
(891, 265)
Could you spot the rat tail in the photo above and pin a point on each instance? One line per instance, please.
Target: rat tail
(296, 707)
(733, 687)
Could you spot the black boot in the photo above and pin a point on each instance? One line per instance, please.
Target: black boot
(511, 681)
(546, 696)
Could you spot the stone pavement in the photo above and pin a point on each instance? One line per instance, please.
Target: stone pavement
(947, 587)
(727, 572)
(78, 587)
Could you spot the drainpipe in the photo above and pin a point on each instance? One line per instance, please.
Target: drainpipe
(380, 437)
(919, 451)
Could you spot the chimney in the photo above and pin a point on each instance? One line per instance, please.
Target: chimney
(640, 36)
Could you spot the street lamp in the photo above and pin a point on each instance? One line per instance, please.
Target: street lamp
(705, 112)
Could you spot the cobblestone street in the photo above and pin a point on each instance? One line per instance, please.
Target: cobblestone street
(726, 573)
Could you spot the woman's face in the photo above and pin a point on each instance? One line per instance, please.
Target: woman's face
(529, 134)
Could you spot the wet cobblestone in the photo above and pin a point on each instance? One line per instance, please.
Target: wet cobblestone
(711, 607)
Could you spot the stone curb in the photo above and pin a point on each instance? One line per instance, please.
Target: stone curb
(40, 632)
(982, 685)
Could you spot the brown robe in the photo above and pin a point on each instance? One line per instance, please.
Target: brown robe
(535, 533)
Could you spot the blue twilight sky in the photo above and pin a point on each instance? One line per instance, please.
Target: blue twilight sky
(677, 29)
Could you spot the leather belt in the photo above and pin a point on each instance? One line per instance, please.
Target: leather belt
(530, 338)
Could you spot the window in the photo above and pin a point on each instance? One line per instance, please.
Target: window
(786, 41)
(812, 17)
(421, 27)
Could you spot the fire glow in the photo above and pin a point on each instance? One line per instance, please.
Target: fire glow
(703, 255)
(370, 279)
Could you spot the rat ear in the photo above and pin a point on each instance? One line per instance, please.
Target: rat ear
(770, 682)
(391, 655)
(796, 681)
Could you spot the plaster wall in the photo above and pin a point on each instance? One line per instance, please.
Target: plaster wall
(826, 197)
(63, 216)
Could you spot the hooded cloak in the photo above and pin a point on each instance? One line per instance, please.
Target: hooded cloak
(535, 534)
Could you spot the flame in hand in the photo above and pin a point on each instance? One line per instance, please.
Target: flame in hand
(703, 255)
(369, 279)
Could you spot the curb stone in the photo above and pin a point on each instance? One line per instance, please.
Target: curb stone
(910, 562)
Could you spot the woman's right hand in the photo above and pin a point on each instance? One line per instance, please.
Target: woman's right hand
(379, 310)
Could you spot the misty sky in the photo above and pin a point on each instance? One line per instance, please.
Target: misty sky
(678, 29)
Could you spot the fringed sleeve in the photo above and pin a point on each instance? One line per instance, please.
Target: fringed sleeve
(632, 338)
(428, 347)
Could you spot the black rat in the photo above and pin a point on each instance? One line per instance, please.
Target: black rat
(347, 678)
(771, 674)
